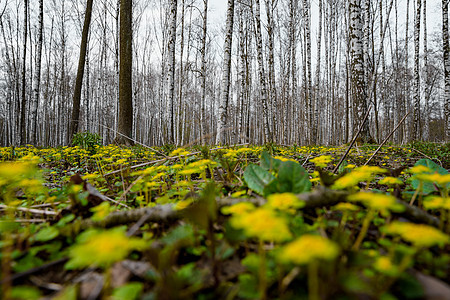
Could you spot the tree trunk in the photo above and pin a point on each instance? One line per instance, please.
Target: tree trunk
(417, 128)
(358, 83)
(308, 83)
(203, 71)
(226, 71)
(262, 75)
(446, 50)
(23, 125)
(37, 75)
(315, 125)
(426, 119)
(74, 122)
(270, 6)
(170, 84)
(125, 128)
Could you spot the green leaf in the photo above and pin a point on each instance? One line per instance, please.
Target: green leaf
(128, 291)
(428, 187)
(182, 232)
(293, 178)
(268, 162)
(257, 178)
(248, 287)
(46, 234)
(69, 293)
(25, 292)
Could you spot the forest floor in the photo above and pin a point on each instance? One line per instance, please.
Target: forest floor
(237, 222)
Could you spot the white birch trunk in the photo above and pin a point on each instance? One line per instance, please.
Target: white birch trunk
(37, 75)
(170, 87)
(262, 75)
(203, 70)
(417, 129)
(226, 72)
(446, 50)
(270, 6)
(359, 87)
(426, 119)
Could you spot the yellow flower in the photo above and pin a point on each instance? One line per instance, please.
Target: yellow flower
(230, 153)
(102, 248)
(14, 170)
(379, 202)
(282, 158)
(390, 181)
(100, 211)
(345, 206)
(436, 202)
(384, 265)
(364, 173)
(179, 152)
(437, 178)
(351, 180)
(262, 223)
(183, 204)
(284, 201)
(239, 194)
(419, 169)
(417, 234)
(322, 161)
(371, 169)
(244, 150)
(308, 248)
(152, 184)
(238, 208)
(190, 171)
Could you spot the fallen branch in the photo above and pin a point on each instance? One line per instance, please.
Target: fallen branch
(320, 197)
(353, 141)
(387, 138)
(30, 210)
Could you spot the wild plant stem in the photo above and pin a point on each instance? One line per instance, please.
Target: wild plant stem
(262, 271)
(313, 280)
(365, 227)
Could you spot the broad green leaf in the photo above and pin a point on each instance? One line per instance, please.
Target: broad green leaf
(257, 178)
(428, 187)
(293, 178)
(128, 291)
(25, 292)
(268, 162)
(46, 234)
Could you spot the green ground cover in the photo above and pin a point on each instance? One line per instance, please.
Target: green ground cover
(242, 222)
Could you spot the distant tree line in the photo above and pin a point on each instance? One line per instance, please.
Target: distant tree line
(159, 71)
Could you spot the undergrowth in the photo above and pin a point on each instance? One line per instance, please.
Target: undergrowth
(248, 222)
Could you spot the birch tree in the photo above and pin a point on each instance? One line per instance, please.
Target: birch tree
(23, 132)
(308, 83)
(446, 51)
(170, 82)
(416, 132)
(262, 76)
(37, 74)
(315, 124)
(358, 84)
(203, 69)
(426, 119)
(226, 71)
(270, 7)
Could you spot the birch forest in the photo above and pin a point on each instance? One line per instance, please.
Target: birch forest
(272, 71)
(212, 149)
